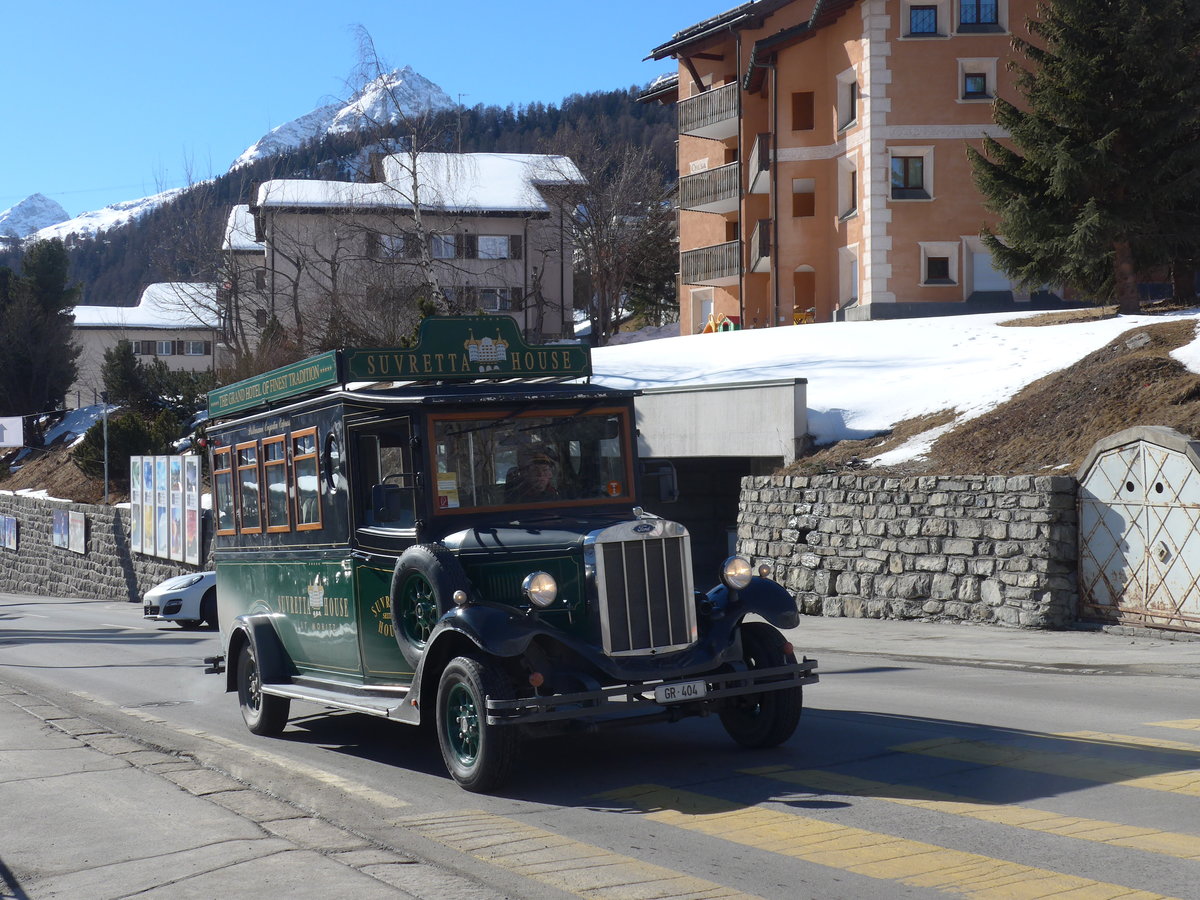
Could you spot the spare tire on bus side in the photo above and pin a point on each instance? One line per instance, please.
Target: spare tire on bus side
(423, 587)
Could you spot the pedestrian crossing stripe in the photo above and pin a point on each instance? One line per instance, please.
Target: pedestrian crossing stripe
(1182, 724)
(862, 852)
(1150, 840)
(568, 865)
(1152, 777)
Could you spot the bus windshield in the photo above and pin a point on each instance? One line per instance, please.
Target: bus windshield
(523, 458)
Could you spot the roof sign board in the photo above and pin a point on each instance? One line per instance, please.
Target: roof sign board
(468, 348)
(449, 348)
(278, 384)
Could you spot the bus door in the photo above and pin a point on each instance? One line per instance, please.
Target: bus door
(384, 494)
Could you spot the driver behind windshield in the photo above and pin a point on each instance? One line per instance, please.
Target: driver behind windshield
(536, 479)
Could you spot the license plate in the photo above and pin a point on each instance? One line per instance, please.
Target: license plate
(683, 690)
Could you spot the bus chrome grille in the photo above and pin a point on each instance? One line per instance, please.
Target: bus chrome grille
(643, 574)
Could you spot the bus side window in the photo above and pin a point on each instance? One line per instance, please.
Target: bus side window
(385, 468)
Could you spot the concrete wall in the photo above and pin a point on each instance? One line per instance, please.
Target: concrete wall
(972, 548)
(107, 571)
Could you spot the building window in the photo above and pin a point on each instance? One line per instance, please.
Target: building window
(499, 299)
(164, 348)
(391, 246)
(849, 105)
(979, 16)
(195, 348)
(803, 111)
(908, 177)
(977, 79)
(847, 188)
(499, 246)
(260, 279)
(939, 263)
(922, 20)
(847, 276)
(974, 86)
(443, 246)
(260, 318)
(804, 197)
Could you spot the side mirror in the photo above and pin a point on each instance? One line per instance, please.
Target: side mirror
(659, 480)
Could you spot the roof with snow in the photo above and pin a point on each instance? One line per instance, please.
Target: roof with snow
(174, 305)
(454, 182)
(239, 231)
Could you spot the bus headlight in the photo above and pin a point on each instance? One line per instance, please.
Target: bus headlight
(540, 588)
(736, 573)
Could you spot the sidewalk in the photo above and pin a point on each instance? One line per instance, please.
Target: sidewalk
(89, 812)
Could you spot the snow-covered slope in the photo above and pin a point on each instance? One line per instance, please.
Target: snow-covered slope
(35, 212)
(116, 214)
(388, 98)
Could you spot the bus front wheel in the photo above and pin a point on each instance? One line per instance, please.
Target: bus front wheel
(479, 756)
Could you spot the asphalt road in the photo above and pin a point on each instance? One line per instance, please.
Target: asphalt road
(914, 773)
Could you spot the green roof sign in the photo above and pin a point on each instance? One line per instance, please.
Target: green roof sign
(278, 384)
(468, 348)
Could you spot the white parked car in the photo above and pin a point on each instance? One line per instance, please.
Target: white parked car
(187, 599)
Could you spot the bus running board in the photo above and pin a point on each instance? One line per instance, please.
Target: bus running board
(389, 706)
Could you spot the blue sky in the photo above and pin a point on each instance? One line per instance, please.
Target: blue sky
(114, 101)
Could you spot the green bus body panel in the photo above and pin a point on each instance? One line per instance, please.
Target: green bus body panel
(315, 601)
(499, 581)
(382, 660)
(278, 384)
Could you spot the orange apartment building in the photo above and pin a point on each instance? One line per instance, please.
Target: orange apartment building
(823, 172)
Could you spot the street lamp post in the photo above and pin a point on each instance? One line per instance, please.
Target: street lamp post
(104, 400)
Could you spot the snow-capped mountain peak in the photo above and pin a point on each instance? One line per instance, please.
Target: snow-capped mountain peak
(389, 98)
(35, 212)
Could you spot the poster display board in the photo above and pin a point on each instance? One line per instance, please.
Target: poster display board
(135, 504)
(77, 532)
(164, 507)
(8, 532)
(191, 509)
(61, 528)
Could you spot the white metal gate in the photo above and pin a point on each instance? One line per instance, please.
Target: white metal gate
(1139, 544)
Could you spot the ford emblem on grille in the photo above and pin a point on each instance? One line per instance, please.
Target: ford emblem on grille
(644, 528)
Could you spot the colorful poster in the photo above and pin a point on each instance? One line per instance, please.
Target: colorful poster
(9, 537)
(162, 508)
(148, 538)
(176, 500)
(60, 528)
(135, 504)
(191, 506)
(77, 537)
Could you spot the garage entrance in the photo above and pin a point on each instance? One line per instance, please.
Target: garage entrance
(1139, 530)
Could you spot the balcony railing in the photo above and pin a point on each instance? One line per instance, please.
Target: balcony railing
(711, 114)
(760, 165)
(719, 264)
(714, 190)
(760, 246)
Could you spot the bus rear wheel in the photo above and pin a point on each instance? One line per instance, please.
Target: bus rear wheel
(263, 713)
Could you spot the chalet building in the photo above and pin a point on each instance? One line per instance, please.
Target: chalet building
(484, 226)
(174, 322)
(823, 173)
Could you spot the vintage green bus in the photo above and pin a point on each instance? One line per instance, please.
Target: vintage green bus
(453, 533)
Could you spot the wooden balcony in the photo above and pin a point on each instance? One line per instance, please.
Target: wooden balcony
(760, 247)
(713, 190)
(759, 164)
(711, 114)
(718, 265)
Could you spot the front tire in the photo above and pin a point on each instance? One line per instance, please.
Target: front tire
(208, 608)
(263, 713)
(478, 756)
(768, 719)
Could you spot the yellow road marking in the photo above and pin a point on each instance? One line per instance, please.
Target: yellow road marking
(1151, 840)
(580, 869)
(1103, 737)
(1170, 779)
(862, 852)
(387, 801)
(1183, 724)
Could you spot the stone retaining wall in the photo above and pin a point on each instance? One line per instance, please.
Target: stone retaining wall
(975, 548)
(107, 571)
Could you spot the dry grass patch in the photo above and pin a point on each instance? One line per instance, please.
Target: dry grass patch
(1065, 317)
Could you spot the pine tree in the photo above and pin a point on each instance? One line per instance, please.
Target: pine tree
(1101, 178)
